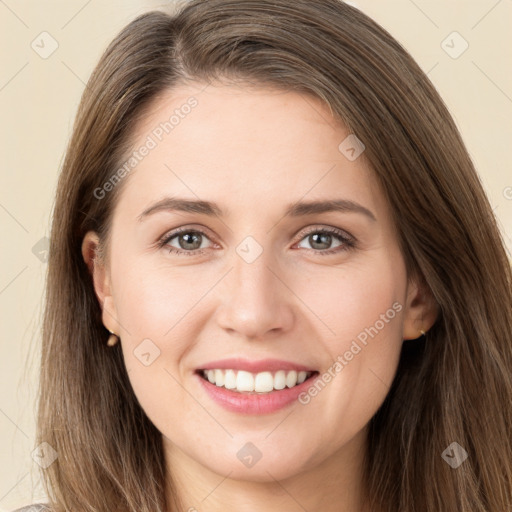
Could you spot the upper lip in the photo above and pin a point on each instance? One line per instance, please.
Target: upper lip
(255, 366)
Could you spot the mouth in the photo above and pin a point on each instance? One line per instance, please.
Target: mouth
(265, 382)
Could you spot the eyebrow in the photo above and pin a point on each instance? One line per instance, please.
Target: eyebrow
(298, 209)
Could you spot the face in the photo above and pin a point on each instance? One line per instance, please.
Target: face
(254, 283)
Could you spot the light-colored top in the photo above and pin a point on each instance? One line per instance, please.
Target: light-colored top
(39, 507)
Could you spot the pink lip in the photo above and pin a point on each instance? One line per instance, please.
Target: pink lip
(270, 365)
(254, 403)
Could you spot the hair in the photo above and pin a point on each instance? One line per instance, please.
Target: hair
(454, 384)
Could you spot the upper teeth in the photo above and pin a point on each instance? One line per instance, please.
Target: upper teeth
(262, 382)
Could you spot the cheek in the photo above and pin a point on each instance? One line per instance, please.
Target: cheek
(156, 302)
(151, 308)
(363, 311)
(360, 300)
(158, 330)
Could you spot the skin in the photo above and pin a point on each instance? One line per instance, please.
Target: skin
(254, 151)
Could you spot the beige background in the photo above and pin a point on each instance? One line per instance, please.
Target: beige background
(38, 100)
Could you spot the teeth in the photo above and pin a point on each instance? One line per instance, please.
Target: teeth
(244, 381)
(219, 377)
(301, 377)
(263, 382)
(229, 379)
(280, 380)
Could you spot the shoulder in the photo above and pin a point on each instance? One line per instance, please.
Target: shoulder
(39, 507)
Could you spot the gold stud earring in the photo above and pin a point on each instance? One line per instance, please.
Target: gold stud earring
(422, 332)
(112, 339)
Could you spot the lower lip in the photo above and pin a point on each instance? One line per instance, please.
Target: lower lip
(254, 403)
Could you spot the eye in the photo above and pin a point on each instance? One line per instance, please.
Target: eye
(187, 241)
(321, 239)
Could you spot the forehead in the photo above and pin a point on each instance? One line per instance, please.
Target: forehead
(245, 147)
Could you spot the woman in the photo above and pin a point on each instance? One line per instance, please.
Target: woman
(337, 336)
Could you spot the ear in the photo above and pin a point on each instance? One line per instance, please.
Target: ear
(421, 309)
(101, 280)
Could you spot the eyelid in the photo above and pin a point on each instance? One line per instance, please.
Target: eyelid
(187, 227)
(329, 229)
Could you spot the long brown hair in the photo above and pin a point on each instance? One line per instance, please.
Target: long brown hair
(454, 385)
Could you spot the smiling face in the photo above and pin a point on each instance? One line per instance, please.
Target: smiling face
(260, 278)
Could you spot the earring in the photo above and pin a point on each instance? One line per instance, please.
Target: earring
(422, 332)
(112, 339)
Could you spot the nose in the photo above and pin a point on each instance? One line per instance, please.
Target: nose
(256, 301)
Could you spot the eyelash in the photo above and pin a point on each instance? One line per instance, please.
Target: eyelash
(348, 242)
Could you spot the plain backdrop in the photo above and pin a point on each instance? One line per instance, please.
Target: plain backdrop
(48, 50)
